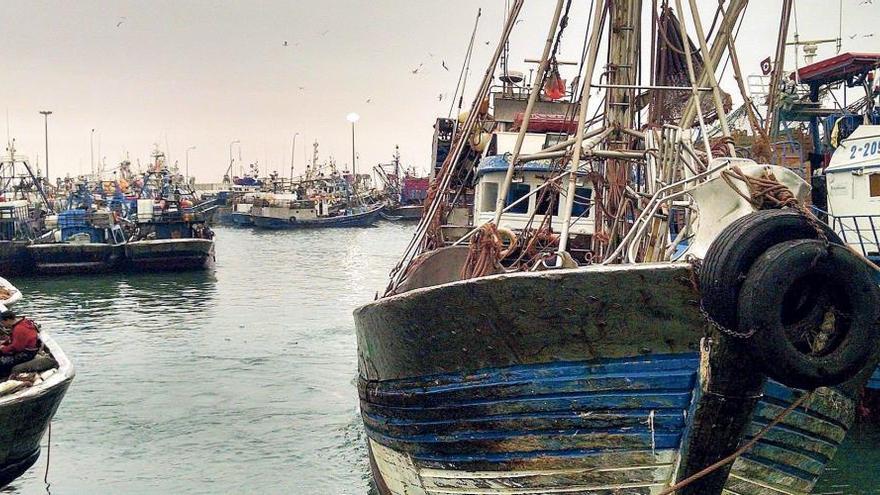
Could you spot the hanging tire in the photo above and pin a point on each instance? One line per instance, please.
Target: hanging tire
(734, 251)
(815, 313)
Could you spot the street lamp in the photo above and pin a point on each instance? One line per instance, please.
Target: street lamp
(46, 114)
(187, 161)
(353, 117)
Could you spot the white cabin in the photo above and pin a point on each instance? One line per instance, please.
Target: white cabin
(531, 175)
(853, 185)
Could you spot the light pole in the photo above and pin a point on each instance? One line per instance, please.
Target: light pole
(92, 151)
(187, 161)
(353, 117)
(292, 155)
(229, 170)
(46, 114)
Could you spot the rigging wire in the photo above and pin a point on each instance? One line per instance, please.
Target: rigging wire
(465, 68)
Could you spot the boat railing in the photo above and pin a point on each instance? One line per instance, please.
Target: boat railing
(859, 231)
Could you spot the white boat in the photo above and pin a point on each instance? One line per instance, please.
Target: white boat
(14, 295)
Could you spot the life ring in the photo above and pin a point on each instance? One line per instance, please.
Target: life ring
(733, 252)
(814, 311)
(511, 241)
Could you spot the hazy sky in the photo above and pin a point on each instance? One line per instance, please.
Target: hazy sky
(203, 73)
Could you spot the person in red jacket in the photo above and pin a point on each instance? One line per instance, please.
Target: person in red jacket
(21, 345)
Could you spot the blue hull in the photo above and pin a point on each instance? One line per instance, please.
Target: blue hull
(242, 219)
(364, 219)
(473, 388)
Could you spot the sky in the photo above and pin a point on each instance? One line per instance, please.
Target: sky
(191, 73)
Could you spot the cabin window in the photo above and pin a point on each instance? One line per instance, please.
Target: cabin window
(489, 196)
(546, 203)
(517, 191)
(874, 183)
(583, 197)
(553, 138)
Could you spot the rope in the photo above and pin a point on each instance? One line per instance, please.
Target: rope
(742, 450)
(48, 456)
(483, 253)
(765, 192)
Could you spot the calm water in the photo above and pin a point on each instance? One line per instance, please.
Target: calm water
(240, 381)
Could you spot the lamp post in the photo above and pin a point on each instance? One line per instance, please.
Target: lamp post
(46, 114)
(229, 169)
(187, 161)
(353, 117)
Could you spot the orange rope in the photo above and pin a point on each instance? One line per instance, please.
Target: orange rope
(483, 253)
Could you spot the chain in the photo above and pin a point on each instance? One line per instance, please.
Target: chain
(696, 266)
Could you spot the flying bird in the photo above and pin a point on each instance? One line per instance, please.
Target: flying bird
(487, 43)
(440, 97)
(866, 2)
(853, 36)
(284, 44)
(302, 88)
(417, 69)
(121, 20)
(444, 65)
(369, 100)
(325, 33)
(868, 35)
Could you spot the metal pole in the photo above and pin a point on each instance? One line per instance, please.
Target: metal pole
(187, 161)
(92, 151)
(353, 164)
(596, 32)
(292, 155)
(46, 114)
(524, 127)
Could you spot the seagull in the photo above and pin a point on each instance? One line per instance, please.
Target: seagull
(444, 65)
(325, 33)
(868, 35)
(284, 44)
(853, 36)
(487, 43)
(302, 88)
(430, 55)
(417, 69)
(369, 100)
(440, 97)
(866, 2)
(121, 20)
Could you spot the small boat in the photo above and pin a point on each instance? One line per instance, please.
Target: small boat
(169, 237)
(23, 208)
(9, 294)
(27, 406)
(404, 189)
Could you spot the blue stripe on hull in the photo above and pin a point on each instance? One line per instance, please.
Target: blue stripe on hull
(523, 412)
(874, 381)
(365, 219)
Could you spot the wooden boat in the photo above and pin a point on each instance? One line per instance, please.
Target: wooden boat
(25, 414)
(85, 242)
(170, 254)
(541, 333)
(307, 219)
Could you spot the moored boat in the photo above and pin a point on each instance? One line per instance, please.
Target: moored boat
(625, 310)
(27, 406)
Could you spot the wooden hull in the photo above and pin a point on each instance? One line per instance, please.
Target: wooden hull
(170, 254)
(411, 213)
(241, 219)
(67, 258)
(25, 416)
(364, 219)
(14, 258)
(577, 381)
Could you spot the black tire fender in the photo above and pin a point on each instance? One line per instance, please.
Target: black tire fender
(734, 251)
(778, 300)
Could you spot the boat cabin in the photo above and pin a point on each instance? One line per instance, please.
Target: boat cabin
(852, 180)
(522, 193)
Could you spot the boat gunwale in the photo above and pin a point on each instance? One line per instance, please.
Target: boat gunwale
(62, 377)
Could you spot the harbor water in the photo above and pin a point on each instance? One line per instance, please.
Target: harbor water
(241, 380)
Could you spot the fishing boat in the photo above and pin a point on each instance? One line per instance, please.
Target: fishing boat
(316, 202)
(85, 241)
(168, 234)
(24, 206)
(692, 329)
(405, 191)
(29, 399)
